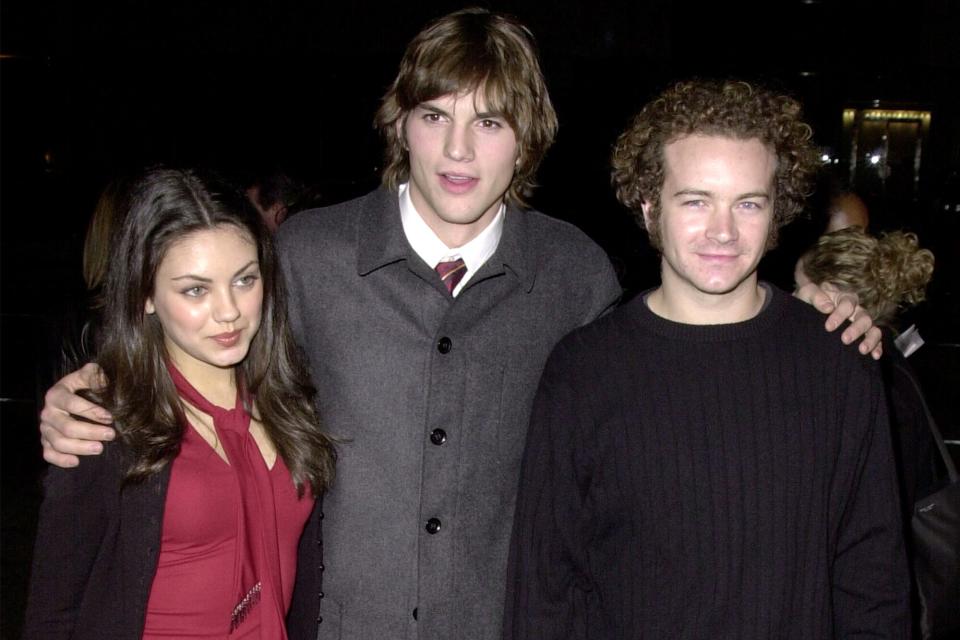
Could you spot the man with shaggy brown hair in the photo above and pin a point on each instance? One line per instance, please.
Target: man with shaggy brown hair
(706, 461)
(427, 309)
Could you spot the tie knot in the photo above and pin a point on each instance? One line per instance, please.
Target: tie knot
(451, 272)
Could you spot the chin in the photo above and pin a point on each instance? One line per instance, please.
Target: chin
(232, 359)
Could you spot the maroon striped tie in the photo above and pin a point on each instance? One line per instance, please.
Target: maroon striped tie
(451, 272)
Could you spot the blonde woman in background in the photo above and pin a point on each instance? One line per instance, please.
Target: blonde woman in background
(889, 274)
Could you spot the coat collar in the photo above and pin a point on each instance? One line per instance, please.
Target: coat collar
(381, 241)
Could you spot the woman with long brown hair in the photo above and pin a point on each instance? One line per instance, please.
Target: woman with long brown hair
(188, 526)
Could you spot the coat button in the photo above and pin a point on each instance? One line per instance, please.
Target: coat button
(444, 345)
(438, 436)
(433, 526)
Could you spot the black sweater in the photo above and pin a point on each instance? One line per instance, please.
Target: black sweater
(728, 481)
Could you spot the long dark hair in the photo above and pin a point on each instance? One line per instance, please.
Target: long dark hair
(165, 206)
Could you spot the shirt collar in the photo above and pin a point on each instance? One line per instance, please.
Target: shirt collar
(432, 249)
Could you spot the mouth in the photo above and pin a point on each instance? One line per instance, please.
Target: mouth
(457, 183)
(719, 257)
(227, 339)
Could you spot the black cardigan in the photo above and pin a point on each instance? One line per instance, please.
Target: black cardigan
(96, 551)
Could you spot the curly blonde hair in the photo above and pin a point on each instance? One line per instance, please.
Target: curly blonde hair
(473, 50)
(888, 273)
(732, 109)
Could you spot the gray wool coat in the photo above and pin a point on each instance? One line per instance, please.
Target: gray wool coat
(430, 397)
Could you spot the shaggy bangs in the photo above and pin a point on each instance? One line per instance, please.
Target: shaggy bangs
(473, 51)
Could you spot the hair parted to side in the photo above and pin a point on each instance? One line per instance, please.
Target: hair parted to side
(166, 206)
(888, 274)
(732, 108)
(473, 50)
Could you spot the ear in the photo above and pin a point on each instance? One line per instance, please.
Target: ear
(148, 307)
(647, 208)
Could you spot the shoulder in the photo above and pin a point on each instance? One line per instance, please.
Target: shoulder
(601, 343)
(326, 226)
(91, 478)
(562, 241)
(564, 262)
(802, 325)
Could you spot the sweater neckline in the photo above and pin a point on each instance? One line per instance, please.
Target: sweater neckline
(769, 317)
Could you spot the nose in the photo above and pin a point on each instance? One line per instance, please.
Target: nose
(458, 144)
(722, 226)
(225, 309)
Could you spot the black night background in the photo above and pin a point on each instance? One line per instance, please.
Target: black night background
(92, 90)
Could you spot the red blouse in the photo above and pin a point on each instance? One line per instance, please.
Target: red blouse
(192, 593)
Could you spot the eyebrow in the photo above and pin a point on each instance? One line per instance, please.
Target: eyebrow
(426, 106)
(709, 194)
(190, 276)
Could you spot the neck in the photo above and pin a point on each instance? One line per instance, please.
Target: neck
(455, 235)
(216, 384)
(697, 307)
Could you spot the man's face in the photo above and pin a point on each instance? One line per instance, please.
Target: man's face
(462, 160)
(716, 213)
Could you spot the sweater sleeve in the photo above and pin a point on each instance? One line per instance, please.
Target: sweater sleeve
(870, 578)
(547, 575)
(74, 519)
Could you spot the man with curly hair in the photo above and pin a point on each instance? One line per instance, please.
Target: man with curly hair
(427, 309)
(705, 461)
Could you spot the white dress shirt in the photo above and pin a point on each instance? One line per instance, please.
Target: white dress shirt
(432, 249)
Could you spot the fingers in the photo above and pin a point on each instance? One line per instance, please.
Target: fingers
(65, 434)
(70, 425)
(813, 294)
(845, 308)
(861, 326)
(61, 401)
(57, 459)
(90, 376)
(872, 342)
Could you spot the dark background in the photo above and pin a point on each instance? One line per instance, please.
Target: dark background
(92, 90)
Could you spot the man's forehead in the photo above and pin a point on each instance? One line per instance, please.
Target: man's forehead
(475, 99)
(690, 149)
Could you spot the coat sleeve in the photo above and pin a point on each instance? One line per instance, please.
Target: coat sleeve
(74, 520)
(870, 578)
(548, 582)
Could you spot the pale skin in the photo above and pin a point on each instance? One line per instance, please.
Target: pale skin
(714, 226)
(462, 159)
(452, 135)
(208, 297)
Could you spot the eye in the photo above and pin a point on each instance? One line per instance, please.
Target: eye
(246, 281)
(751, 206)
(194, 292)
(488, 123)
(431, 116)
(696, 204)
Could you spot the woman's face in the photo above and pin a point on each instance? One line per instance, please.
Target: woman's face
(208, 298)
